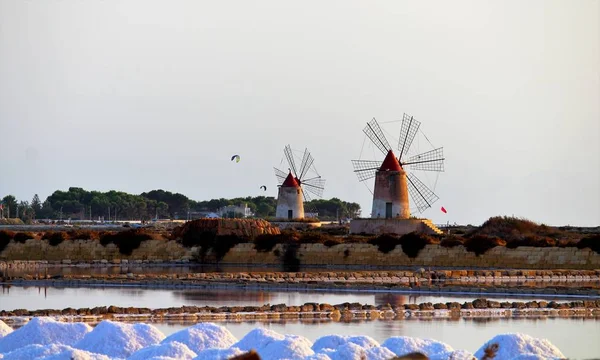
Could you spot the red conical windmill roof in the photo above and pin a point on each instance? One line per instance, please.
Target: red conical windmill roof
(290, 181)
(390, 163)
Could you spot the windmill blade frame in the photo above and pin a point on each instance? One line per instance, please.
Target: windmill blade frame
(432, 160)
(307, 162)
(280, 175)
(375, 134)
(408, 131)
(287, 150)
(315, 185)
(365, 169)
(422, 196)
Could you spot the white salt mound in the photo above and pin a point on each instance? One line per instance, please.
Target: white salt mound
(4, 329)
(218, 354)
(454, 355)
(334, 341)
(118, 339)
(35, 351)
(402, 345)
(292, 347)
(257, 339)
(171, 349)
(203, 336)
(319, 356)
(351, 351)
(44, 331)
(513, 345)
(76, 354)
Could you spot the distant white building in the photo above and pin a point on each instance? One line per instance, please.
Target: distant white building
(236, 210)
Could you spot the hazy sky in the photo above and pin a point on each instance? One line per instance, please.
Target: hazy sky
(140, 95)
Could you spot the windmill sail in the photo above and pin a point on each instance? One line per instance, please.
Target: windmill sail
(373, 132)
(428, 161)
(408, 131)
(365, 169)
(422, 196)
(280, 175)
(290, 159)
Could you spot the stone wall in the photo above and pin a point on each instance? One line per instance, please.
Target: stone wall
(317, 254)
(431, 255)
(88, 250)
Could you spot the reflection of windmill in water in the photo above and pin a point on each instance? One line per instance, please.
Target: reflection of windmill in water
(393, 185)
(297, 186)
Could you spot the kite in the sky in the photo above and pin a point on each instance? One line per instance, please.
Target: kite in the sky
(236, 158)
(264, 187)
(444, 210)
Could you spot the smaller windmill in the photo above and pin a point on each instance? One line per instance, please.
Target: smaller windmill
(392, 183)
(297, 185)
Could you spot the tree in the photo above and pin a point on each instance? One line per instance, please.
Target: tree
(36, 204)
(10, 205)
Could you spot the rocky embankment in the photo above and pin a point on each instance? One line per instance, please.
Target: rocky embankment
(479, 308)
(551, 282)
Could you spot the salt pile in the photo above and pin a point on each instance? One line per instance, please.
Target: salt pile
(218, 354)
(170, 350)
(35, 351)
(335, 341)
(203, 336)
(402, 345)
(44, 331)
(119, 340)
(271, 345)
(47, 339)
(510, 346)
(4, 329)
(76, 354)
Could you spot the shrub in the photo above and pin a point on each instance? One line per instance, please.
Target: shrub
(532, 240)
(83, 235)
(290, 260)
(266, 242)
(479, 244)
(5, 237)
(21, 237)
(126, 241)
(411, 243)
(452, 241)
(333, 242)
(55, 237)
(386, 242)
(592, 242)
(224, 243)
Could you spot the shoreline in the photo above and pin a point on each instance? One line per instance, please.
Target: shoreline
(582, 283)
(315, 312)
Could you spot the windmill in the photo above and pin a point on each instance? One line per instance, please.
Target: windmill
(297, 186)
(392, 182)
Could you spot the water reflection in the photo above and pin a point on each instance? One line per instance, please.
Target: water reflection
(34, 297)
(220, 296)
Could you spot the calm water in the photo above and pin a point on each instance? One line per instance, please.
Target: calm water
(32, 298)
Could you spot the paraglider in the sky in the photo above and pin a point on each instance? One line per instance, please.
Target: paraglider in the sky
(236, 158)
(264, 188)
(444, 210)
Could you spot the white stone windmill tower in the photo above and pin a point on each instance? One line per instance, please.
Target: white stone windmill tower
(393, 184)
(297, 185)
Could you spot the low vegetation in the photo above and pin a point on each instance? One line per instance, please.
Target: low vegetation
(479, 244)
(126, 241)
(21, 237)
(55, 238)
